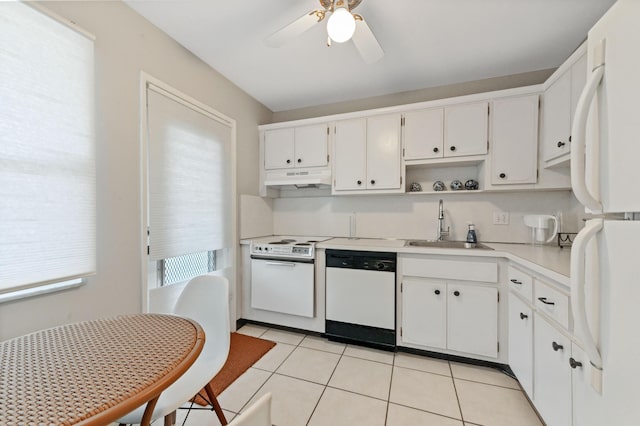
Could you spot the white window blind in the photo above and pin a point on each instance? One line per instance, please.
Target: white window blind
(47, 159)
(190, 182)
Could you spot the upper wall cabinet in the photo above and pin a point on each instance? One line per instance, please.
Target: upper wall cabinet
(453, 131)
(558, 106)
(304, 146)
(514, 131)
(367, 154)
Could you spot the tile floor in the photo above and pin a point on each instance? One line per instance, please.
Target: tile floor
(320, 383)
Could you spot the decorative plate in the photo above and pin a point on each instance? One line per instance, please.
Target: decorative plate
(439, 186)
(456, 185)
(415, 187)
(471, 184)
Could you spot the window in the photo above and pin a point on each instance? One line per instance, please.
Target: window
(47, 159)
(190, 185)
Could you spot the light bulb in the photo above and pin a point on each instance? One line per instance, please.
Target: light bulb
(341, 25)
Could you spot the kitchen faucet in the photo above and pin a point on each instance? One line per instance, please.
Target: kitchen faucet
(442, 234)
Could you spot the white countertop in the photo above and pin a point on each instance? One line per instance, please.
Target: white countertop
(551, 261)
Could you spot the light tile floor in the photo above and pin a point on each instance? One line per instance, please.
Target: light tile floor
(321, 383)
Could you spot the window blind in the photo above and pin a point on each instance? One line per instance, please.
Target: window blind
(190, 187)
(47, 159)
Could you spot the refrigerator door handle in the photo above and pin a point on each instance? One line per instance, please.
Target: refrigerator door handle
(578, 305)
(578, 132)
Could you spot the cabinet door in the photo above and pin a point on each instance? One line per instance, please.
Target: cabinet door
(383, 152)
(311, 146)
(556, 110)
(278, 149)
(424, 312)
(466, 129)
(514, 157)
(423, 134)
(521, 342)
(472, 319)
(349, 159)
(552, 374)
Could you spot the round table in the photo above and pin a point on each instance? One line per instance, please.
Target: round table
(94, 372)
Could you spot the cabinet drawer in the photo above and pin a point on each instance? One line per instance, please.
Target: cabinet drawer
(521, 283)
(553, 303)
(464, 270)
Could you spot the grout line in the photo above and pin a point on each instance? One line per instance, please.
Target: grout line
(455, 389)
(393, 367)
(427, 411)
(423, 371)
(488, 384)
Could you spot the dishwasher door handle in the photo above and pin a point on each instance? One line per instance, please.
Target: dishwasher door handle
(291, 264)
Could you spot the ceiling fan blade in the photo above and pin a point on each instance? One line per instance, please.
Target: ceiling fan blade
(366, 43)
(294, 29)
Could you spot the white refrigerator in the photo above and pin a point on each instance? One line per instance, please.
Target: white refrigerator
(605, 258)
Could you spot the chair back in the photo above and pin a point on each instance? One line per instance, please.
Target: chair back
(205, 299)
(259, 414)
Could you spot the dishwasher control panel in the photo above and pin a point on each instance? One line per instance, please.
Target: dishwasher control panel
(367, 260)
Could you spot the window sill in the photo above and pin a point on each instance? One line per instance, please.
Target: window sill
(40, 290)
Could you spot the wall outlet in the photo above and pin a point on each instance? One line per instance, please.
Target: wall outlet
(500, 218)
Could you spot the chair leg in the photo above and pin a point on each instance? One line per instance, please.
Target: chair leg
(216, 405)
(170, 419)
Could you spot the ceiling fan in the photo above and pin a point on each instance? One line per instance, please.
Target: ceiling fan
(343, 25)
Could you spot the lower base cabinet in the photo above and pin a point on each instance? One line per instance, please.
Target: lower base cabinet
(521, 342)
(552, 373)
(457, 317)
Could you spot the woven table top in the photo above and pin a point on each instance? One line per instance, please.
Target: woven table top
(93, 372)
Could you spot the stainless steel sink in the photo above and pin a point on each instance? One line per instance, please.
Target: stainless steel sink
(444, 244)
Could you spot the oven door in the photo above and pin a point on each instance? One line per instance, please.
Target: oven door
(283, 286)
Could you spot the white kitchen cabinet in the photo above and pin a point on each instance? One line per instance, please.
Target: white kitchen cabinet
(367, 154)
(424, 308)
(466, 129)
(472, 319)
(304, 146)
(452, 131)
(514, 131)
(521, 342)
(453, 316)
(558, 106)
(423, 134)
(449, 304)
(552, 373)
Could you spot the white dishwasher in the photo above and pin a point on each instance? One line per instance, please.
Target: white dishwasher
(361, 297)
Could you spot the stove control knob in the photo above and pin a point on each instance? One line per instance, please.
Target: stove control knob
(380, 266)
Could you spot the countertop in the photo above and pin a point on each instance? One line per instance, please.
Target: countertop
(550, 261)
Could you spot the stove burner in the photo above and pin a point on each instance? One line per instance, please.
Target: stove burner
(279, 242)
(312, 241)
(303, 244)
(288, 240)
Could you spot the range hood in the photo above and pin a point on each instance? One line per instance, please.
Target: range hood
(295, 179)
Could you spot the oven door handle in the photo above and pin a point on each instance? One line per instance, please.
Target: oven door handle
(291, 264)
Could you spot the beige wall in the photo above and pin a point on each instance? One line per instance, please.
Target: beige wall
(125, 45)
(429, 94)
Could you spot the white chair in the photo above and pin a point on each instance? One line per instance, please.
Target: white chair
(204, 299)
(259, 414)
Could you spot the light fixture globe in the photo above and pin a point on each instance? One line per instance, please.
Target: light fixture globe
(341, 25)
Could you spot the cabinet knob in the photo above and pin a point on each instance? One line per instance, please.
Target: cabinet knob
(569, 138)
(435, 149)
(574, 364)
(288, 161)
(373, 182)
(299, 160)
(502, 175)
(359, 182)
(437, 292)
(556, 347)
(560, 144)
(523, 316)
(453, 148)
(545, 301)
(513, 280)
(456, 293)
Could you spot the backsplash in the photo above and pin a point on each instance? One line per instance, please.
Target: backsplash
(415, 216)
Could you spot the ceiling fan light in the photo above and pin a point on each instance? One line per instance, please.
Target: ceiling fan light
(341, 25)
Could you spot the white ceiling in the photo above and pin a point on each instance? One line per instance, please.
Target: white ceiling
(427, 43)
